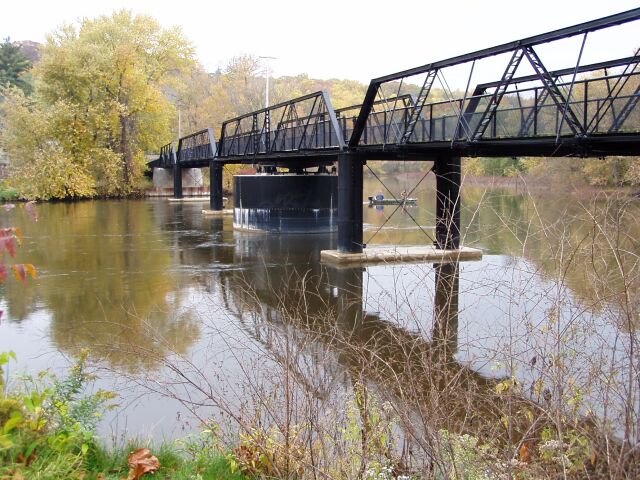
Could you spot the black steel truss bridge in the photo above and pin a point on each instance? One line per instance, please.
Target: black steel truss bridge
(583, 110)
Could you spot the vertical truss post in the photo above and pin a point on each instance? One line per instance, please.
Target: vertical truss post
(267, 131)
(349, 203)
(215, 184)
(255, 134)
(177, 174)
(448, 177)
(532, 116)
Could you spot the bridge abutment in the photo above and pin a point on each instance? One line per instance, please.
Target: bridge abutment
(163, 182)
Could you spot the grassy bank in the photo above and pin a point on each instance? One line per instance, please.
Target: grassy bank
(47, 431)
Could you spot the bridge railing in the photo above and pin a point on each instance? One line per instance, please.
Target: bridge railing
(388, 117)
(306, 123)
(555, 103)
(198, 147)
(527, 112)
(166, 157)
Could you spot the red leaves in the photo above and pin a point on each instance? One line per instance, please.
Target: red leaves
(6, 245)
(20, 271)
(141, 461)
(8, 238)
(3, 273)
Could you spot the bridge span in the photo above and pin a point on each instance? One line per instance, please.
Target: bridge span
(582, 110)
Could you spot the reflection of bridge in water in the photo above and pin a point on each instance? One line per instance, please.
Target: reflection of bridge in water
(280, 293)
(581, 110)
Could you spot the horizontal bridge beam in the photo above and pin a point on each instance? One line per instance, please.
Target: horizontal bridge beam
(581, 28)
(565, 71)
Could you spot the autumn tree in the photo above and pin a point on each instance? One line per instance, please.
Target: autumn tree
(100, 103)
(14, 66)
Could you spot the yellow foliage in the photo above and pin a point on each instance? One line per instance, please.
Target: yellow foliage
(99, 105)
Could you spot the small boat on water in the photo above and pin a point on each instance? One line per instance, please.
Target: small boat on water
(392, 201)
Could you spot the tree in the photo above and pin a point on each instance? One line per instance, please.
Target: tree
(14, 66)
(99, 106)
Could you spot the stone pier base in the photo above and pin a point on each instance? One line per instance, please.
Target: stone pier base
(400, 254)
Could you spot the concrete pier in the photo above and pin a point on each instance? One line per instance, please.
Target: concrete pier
(400, 254)
(218, 213)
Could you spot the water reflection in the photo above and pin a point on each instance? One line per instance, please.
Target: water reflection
(322, 310)
(105, 281)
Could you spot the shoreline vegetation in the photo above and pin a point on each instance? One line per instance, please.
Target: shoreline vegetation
(48, 431)
(520, 183)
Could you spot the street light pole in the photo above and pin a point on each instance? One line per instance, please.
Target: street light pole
(266, 92)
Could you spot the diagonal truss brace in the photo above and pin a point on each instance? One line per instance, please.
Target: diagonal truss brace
(613, 93)
(499, 92)
(303, 138)
(626, 111)
(419, 105)
(554, 92)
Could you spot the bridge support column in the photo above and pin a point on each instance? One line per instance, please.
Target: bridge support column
(177, 181)
(215, 185)
(448, 177)
(349, 203)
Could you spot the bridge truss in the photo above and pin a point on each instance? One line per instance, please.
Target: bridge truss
(531, 110)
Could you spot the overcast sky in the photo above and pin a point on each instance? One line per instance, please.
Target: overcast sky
(355, 39)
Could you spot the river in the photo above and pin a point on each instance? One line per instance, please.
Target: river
(149, 285)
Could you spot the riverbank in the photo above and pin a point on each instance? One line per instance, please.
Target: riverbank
(530, 183)
(48, 431)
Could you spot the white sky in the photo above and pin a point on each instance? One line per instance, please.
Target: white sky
(356, 39)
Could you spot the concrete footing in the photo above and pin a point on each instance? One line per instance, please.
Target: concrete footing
(188, 199)
(400, 254)
(217, 213)
(194, 199)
